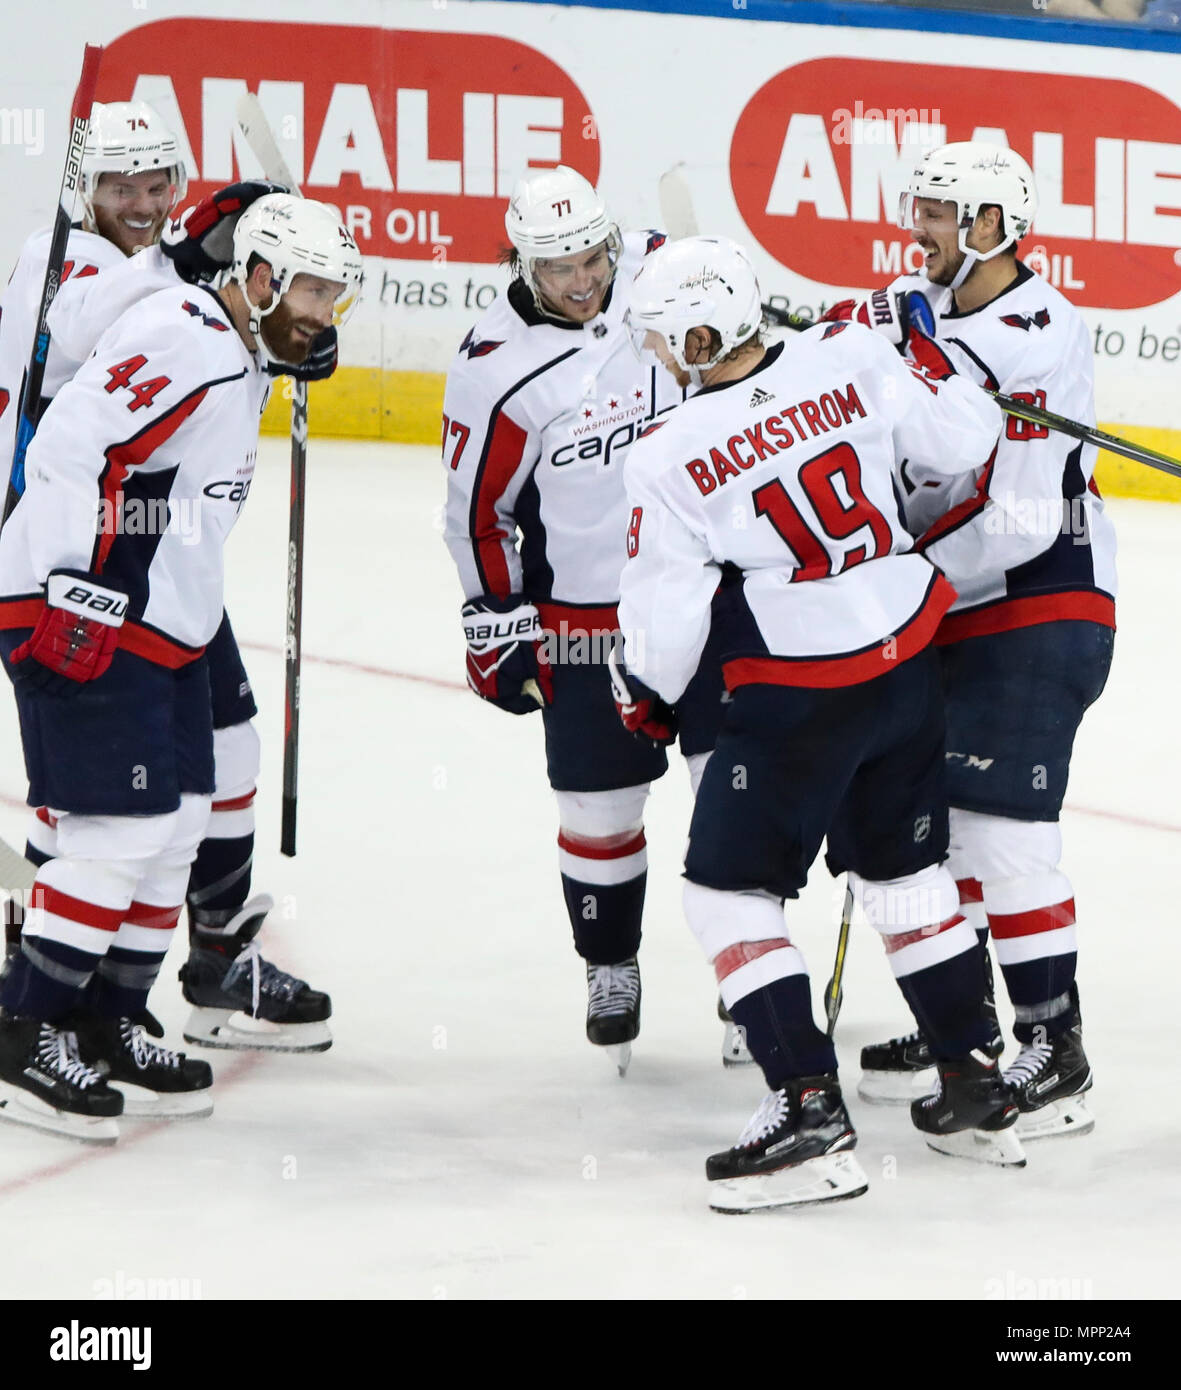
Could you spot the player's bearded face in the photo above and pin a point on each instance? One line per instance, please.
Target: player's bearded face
(304, 311)
(130, 209)
(936, 230)
(574, 287)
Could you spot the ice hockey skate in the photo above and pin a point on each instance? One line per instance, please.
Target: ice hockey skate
(735, 1052)
(155, 1082)
(613, 1009)
(1048, 1082)
(243, 1002)
(971, 1113)
(46, 1085)
(795, 1151)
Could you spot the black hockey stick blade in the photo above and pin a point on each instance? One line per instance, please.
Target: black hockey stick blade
(1138, 453)
(30, 399)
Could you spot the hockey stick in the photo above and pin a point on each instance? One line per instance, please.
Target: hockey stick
(259, 136)
(30, 398)
(834, 994)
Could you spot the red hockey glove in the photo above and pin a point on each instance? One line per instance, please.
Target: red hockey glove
(317, 365)
(504, 654)
(930, 359)
(844, 309)
(642, 711)
(200, 242)
(76, 636)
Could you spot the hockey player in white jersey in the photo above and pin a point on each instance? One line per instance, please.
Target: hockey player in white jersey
(132, 177)
(103, 629)
(779, 480)
(1027, 646)
(543, 401)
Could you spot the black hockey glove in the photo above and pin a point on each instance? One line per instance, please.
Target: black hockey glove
(642, 711)
(505, 661)
(200, 242)
(319, 364)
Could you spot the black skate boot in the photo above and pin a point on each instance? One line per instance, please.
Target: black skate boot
(796, 1151)
(244, 1002)
(971, 1113)
(901, 1070)
(156, 1082)
(1048, 1082)
(45, 1084)
(735, 1052)
(613, 1009)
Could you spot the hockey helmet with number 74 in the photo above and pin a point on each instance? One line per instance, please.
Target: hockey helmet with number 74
(128, 137)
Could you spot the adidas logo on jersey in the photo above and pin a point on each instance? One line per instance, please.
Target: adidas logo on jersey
(761, 397)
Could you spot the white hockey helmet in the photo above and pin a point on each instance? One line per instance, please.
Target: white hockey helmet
(973, 174)
(296, 235)
(554, 213)
(695, 282)
(128, 137)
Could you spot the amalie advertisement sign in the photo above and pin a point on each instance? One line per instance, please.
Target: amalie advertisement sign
(416, 136)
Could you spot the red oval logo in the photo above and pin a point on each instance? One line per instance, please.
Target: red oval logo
(417, 137)
(821, 152)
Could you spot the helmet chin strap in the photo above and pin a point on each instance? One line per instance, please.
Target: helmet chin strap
(256, 314)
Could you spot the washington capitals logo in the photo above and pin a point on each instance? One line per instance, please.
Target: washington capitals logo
(834, 328)
(216, 324)
(1027, 321)
(655, 239)
(474, 348)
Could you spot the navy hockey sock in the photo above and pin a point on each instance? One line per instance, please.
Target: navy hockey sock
(606, 918)
(781, 1033)
(947, 1000)
(46, 979)
(121, 982)
(219, 882)
(1043, 995)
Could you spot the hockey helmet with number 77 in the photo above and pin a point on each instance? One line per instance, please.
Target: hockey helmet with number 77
(554, 213)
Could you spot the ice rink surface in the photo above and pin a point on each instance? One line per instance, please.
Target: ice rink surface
(462, 1139)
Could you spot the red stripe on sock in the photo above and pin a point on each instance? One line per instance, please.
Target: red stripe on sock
(733, 957)
(971, 890)
(236, 803)
(152, 915)
(76, 909)
(894, 941)
(1010, 924)
(602, 846)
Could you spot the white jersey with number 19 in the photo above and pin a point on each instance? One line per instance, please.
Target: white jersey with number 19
(789, 478)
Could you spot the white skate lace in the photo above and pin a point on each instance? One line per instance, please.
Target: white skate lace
(143, 1052)
(614, 989)
(766, 1120)
(265, 978)
(1030, 1060)
(58, 1052)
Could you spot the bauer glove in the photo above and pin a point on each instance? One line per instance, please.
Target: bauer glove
(642, 711)
(200, 242)
(893, 315)
(505, 661)
(75, 637)
(317, 365)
